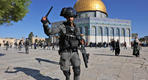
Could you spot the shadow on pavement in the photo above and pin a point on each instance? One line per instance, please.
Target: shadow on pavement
(21, 52)
(45, 60)
(1, 54)
(31, 72)
(125, 56)
(113, 55)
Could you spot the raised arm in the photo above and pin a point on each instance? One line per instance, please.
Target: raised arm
(49, 30)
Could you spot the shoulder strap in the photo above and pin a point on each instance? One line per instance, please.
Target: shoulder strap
(67, 28)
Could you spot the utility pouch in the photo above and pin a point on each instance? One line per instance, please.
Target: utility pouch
(67, 45)
(74, 43)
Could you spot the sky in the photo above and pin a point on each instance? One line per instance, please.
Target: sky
(134, 10)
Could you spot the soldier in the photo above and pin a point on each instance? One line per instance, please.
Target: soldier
(26, 46)
(7, 45)
(69, 39)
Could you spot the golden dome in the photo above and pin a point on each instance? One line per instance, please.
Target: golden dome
(90, 5)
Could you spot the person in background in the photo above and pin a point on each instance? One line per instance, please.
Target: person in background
(117, 48)
(136, 47)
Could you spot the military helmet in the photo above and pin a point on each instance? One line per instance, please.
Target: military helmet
(68, 12)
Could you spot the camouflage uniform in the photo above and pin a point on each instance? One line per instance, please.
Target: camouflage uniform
(7, 45)
(69, 39)
(68, 55)
(26, 46)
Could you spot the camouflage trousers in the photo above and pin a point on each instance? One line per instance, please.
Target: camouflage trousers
(68, 59)
(27, 49)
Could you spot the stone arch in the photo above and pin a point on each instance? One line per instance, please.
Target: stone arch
(128, 35)
(93, 30)
(128, 32)
(123, 32)
(81, 30)
(86, 31)
(94, 34)
(112, 32)
(100, 31)
(106, 32)
(118, 32)
(100, 34)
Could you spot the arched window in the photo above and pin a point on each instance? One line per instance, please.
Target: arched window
(100, 32)
(105, 31)
(93, 30)
(81, 30)
(117, 32)
(112, 32)
(86, 15)
(86, 31)
(123, 32)
(128, 32)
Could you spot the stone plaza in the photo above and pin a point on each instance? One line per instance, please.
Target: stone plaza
(42, 64)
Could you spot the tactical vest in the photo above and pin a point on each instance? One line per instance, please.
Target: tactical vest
(69, 39)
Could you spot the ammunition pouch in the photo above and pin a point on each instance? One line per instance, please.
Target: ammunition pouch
(70, 44)
(66, 44)
(74, 43)
(71, 41)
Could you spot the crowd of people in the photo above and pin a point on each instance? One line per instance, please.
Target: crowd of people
(114, 46)
(105, 44)
(27, 44)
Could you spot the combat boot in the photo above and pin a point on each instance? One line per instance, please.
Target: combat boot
(67, 74)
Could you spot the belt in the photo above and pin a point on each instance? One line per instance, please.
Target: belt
(69, 50)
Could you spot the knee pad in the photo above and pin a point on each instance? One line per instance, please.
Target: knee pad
(76, 71)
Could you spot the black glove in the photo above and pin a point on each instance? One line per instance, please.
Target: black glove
(44, 20)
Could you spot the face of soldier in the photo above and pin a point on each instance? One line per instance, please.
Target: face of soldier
(70, 19)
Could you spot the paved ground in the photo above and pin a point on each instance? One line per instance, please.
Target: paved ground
(43, 65)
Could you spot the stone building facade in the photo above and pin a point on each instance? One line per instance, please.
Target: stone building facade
(97, 27)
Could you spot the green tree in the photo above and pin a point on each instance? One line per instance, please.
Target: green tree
(142, 39)
(13, 10)
(30, 37)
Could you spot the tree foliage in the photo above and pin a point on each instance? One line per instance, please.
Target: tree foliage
(13, 10)
(141, 39)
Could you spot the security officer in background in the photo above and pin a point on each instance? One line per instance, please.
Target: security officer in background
(68, 42)
(7, 45)
(26, 44)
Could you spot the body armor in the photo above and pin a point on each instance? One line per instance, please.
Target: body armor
(69, 40)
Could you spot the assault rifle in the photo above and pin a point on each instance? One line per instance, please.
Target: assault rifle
(84, 54)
